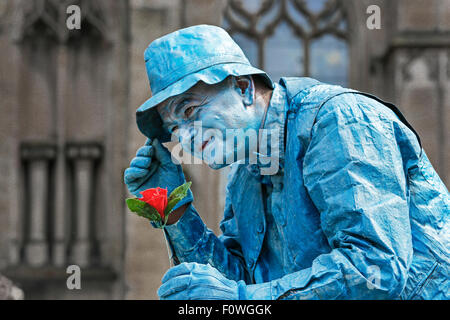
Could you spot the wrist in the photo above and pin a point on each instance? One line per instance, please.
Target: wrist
(186, 234)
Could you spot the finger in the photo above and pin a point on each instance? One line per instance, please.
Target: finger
(205, 270)
(145, 151)
(197, 294)
(182, 295)
(205, 274)
(141, 162)
(181, 269)
(194, 294)
(148, 142)
(174, 285)
(131, 174)
(161, 152)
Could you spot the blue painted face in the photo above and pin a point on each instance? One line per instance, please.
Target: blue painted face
(202, 117)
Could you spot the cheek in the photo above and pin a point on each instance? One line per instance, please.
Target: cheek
(225, 111)
(230, 116)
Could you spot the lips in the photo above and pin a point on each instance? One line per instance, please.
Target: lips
(205, 143)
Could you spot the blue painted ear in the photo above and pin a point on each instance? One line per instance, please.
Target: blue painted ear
(246, 88)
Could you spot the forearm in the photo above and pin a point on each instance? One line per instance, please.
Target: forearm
(340, 274)
(191, 241)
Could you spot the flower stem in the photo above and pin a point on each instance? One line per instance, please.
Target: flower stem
(167, 247)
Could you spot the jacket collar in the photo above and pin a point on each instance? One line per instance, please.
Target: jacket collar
(273, 132)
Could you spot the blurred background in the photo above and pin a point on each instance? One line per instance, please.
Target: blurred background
(67, 116)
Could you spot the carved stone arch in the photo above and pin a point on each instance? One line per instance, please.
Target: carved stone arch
(47, 19)
(37, 19)
(325, 20)
(94, 23)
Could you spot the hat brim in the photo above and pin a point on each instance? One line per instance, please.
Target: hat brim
(148, 120)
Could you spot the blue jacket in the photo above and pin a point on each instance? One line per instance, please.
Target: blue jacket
(356, 210)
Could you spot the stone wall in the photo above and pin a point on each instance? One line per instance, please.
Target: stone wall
(68, 129)
(64, 94)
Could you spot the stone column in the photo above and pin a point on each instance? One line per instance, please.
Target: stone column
(83, 190)
(36, 249)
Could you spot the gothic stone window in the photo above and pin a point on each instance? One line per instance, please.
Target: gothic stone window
(292, 37)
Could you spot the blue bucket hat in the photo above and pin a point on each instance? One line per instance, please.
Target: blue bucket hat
(177, 61)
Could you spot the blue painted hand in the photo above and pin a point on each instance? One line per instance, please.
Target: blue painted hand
(153, 167)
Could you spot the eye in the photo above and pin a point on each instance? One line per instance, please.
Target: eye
(189, 111)
(173, 129)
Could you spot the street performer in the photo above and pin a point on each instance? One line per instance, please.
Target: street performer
(354, 209)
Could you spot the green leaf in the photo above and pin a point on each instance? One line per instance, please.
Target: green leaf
(143, 209)
(166, 218)
(135, 204)
(176, 196)
(180, 191)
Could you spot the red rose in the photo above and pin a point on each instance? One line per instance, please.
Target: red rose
(157, 198)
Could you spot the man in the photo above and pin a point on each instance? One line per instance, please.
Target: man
(354, 210)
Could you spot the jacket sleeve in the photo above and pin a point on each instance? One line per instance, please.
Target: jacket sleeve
(354, 174)
(191, 241)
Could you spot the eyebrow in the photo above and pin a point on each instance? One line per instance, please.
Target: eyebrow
(183, 99)
(181, 103)
(174, 100)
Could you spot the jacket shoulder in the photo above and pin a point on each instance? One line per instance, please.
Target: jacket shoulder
(295, 85)
(308, 93)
